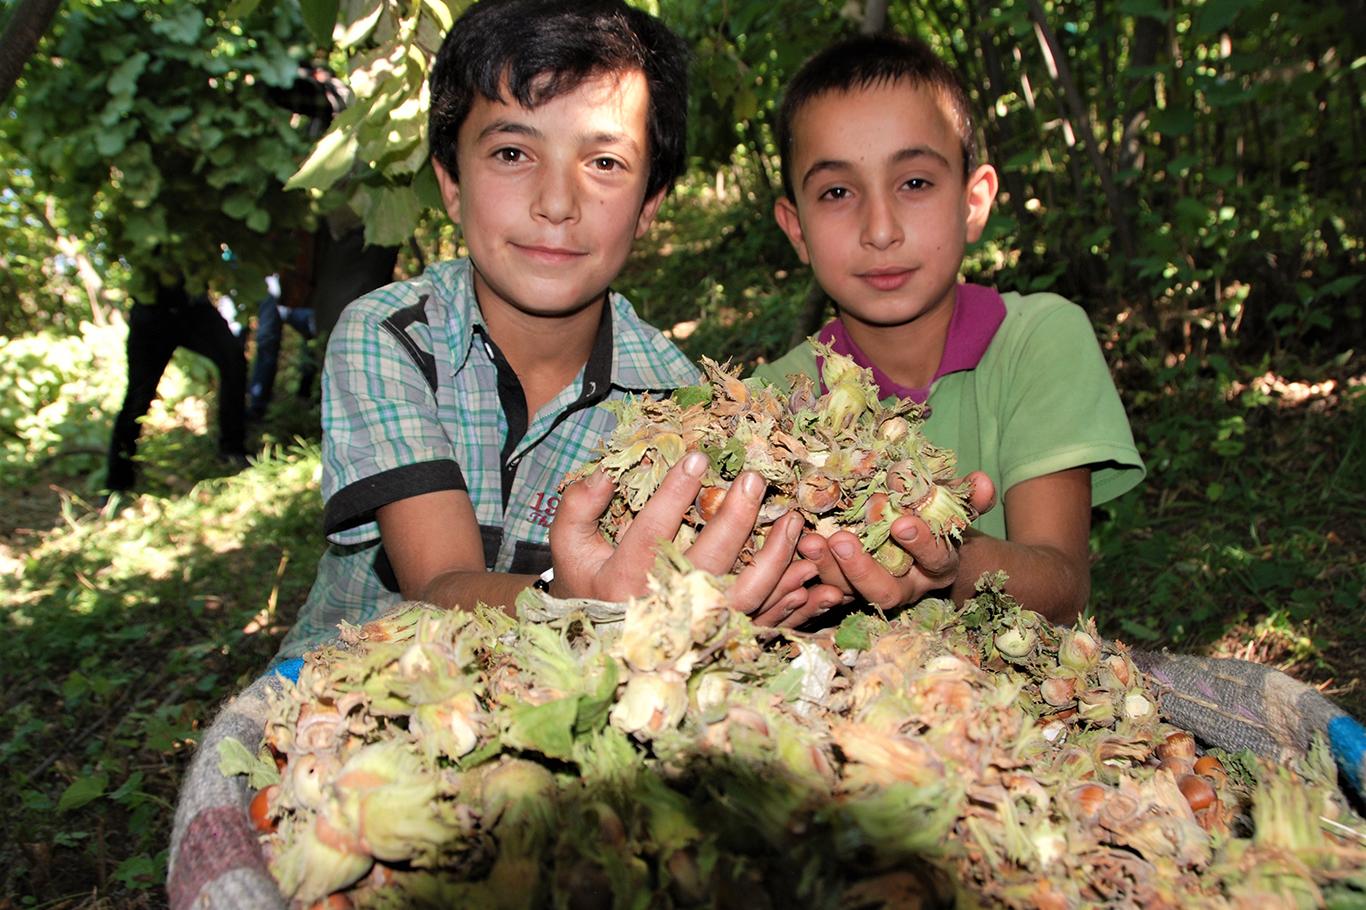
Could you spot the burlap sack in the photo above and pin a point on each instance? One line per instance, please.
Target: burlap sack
(215, 858)
(1236, 705)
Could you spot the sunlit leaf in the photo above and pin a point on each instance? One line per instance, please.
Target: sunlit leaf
(329, 161)
(357, 23)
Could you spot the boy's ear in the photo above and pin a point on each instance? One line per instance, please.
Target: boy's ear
(979, 195)
(785, 213)
(450, 190)
(648, 212)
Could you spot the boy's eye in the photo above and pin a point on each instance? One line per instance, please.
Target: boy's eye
(835, 192)
(606, 164)
(508, 155)
(918, 183)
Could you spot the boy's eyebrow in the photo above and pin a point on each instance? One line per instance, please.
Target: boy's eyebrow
(523, 129)
(902, 156)
(920, 151)
(508, 126)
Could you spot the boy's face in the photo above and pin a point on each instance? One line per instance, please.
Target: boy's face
(551, 199)
(881, 210)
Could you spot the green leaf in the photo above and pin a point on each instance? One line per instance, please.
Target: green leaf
(329, 161)
(1173, 121)
(137, 872)
(1147, 9)
(320, 16)
(124, 78)
(353, 32)
(689, 395)
(259, 221)
(427, 189)
(238, 206)
(241, 9)
(234, 759)
(441, 12)
(594, 707)
(1138, 630)
(82, 790)
(182, 28)
(547, 728)
(1214, 16)
(128, 789)
(393, 214)
(856, 632)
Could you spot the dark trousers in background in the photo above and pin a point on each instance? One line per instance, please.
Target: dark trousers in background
(270, 323)
(154, 332)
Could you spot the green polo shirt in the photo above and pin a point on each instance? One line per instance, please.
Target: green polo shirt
(417, 398)
(1023, 390)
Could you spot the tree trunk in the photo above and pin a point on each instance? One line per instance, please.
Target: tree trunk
(1085, 132)
(74, 249)
(26, 26)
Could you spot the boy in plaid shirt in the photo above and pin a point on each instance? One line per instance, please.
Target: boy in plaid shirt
(454, 403)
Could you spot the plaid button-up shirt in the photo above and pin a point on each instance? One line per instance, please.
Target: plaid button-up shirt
(417, 398)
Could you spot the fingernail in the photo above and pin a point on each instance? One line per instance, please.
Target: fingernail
(751, 484)
(597, 478)
(694, 464)
(844, 548)
(794, 529)
(910, 535)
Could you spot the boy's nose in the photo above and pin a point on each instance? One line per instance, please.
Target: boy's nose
(881, 228)
(557, 199)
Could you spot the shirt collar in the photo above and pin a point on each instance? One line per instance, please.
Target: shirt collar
(643, 360)
(977, 313)
(625, 350)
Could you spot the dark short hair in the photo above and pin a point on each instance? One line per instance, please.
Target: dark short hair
(867, 60)
(540, 49)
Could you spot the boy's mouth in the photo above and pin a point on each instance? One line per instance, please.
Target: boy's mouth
(549, 254)
(889, 279)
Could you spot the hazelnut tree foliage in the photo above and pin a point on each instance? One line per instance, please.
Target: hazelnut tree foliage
(1191, 163)
(150, 129)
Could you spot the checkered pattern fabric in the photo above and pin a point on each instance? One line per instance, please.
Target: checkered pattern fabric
(417, 398)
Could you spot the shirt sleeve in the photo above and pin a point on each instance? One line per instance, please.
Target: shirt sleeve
(1060, 408)
(382, 439)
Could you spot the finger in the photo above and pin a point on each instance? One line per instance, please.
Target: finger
(575, 538)
(983, 497)
(720, 542)
(660, 518)
(816, 548)
(774, 615)
(867, 576)
(773, 573)
(820, 599)
(929, 553)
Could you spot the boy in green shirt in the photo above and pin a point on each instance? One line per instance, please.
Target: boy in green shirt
(881, 197)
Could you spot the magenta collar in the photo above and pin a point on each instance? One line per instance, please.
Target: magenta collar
(977, 313)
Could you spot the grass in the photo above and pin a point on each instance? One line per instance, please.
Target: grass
(126, 627)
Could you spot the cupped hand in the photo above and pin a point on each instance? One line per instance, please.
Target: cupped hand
(845, 565)
(588, 565)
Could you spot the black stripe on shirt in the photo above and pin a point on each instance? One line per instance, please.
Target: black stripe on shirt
(356, 504)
